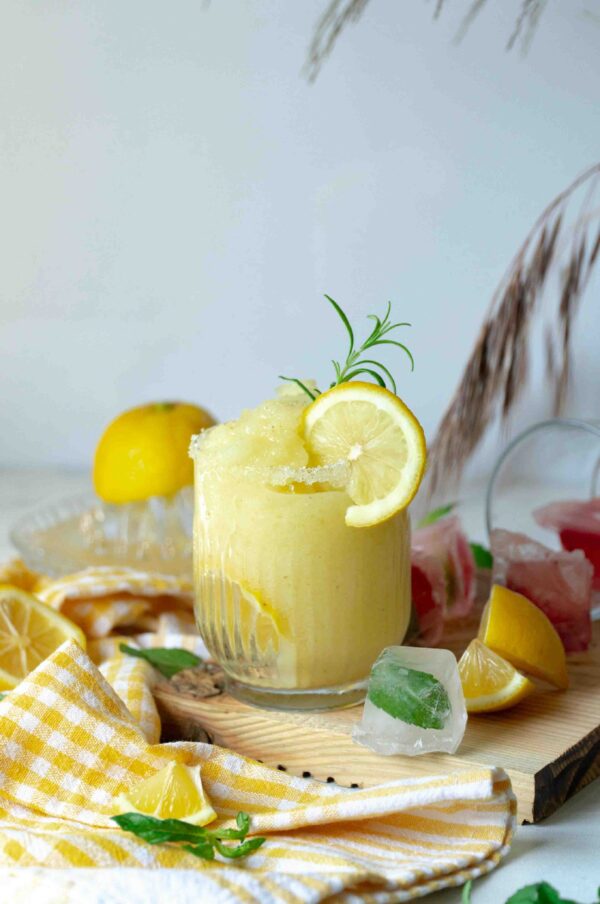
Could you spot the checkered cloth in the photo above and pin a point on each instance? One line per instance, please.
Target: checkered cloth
(76, 734)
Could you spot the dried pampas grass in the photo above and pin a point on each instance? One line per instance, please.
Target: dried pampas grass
(340, 13)
(496, 371)
(337, 15)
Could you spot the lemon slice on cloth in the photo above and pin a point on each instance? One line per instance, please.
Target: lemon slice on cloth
(379, 437)
(144, 452)
(516, 629)
(29, 632)
(489, 682)
(175, 792)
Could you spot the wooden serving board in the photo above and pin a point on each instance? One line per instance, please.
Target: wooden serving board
(549, 744)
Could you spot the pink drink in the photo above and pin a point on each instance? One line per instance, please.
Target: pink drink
(578, 526)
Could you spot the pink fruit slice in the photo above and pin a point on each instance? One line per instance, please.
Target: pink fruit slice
(559, 583)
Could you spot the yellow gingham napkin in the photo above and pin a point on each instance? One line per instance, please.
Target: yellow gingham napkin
(69, 745)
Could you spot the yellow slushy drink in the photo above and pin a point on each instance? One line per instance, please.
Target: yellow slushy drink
(302, 576)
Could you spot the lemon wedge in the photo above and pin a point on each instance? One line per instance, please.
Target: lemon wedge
(29, 632)
(489, 682)
(251, 625)
(175, 792)
(516, 629)
(372, 430)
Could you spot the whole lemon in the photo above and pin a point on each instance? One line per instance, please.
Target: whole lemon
(144, 451)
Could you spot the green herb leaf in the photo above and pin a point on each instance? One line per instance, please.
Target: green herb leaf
(168, 660)
(540, 893)
(203, 849)
(365, 370)
(2, 696)
(437, 514)
(312, 395)
(344, 320)
(400, 345)
(159, 831)
(483, 557)
(243, 823)
(241, 850)
(197, 840)
(407, 694)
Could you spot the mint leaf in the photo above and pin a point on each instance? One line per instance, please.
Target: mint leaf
(483, 557)
(409, 695)
(168, 660)
(540, 893)
(196, 840)
(240, 850)
(437, 514)
(203, 849)
(159, 831)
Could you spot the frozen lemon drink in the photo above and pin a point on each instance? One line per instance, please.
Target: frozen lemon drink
(301, 536)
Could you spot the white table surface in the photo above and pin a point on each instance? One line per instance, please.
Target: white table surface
(564, 849)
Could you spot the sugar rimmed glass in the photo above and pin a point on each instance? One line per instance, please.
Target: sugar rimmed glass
(294, 604)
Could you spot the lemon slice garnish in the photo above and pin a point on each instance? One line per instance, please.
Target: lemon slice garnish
(379, 437)
(175, 792)
(489, 682)
(516, 629)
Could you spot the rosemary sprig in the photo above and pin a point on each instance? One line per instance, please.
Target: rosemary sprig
(196, 840)
(356, 362)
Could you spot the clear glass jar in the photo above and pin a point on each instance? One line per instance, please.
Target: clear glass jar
(553, 462)
(294, 604)
(550, 461)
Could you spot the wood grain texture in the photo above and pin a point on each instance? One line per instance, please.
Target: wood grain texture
(549, 744)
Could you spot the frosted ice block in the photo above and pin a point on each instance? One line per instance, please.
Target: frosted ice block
(415, 703)
(445, 541)
(428, 591)
(559, 583)
(577, 523)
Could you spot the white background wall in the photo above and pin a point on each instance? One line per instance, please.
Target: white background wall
(175, 198)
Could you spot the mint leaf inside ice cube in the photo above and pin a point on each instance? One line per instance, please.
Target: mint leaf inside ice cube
(409, 695)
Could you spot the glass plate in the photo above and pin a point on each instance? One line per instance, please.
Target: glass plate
(81, 532)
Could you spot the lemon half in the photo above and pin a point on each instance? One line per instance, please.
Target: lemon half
(144, 452)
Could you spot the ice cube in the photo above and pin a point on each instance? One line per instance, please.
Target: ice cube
(559, 583)
(428, 591)
(445, 541)
(410, 688)
(577, 523)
